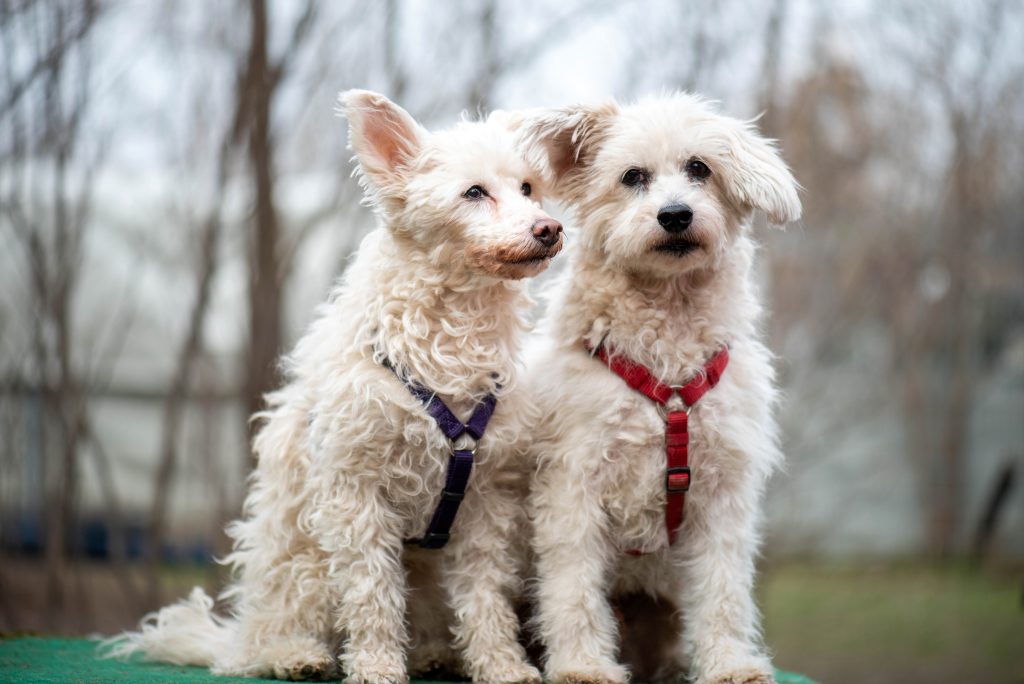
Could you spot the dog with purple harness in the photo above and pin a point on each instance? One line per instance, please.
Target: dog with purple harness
(379, 531)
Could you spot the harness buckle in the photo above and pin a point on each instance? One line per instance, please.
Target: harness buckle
(677, 480)
(452, 496)
(434, 540)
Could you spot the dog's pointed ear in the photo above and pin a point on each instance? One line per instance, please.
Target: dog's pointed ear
(384, 138)
(757, 177)
(565, 139)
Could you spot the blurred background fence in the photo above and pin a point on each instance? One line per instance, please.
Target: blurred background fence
(175, 198)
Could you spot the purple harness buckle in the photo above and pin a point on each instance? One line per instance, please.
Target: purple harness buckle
(431, 540)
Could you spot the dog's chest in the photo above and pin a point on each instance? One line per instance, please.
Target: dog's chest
(414, 471)
(632, 477)
(419, 465)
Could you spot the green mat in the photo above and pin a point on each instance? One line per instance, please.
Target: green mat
(74, 661)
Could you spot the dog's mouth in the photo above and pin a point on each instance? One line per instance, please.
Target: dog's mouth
(532, 257)
(513, 261)
(677, 247)
(527, 260)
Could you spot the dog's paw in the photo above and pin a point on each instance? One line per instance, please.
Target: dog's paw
(513, 673)
(297, 660)
(608, 674)
(378, 675)
(304, 669)
(750, 675)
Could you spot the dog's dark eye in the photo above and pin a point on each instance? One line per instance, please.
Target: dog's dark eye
(475, 193)
(635, 177)
(697, 170)
(526, 189)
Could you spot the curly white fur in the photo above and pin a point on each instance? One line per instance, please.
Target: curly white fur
(350, 464)
(599, 486)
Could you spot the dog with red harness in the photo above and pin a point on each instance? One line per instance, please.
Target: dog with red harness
(657, 393)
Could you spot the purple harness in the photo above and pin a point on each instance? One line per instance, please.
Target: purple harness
(460, 465)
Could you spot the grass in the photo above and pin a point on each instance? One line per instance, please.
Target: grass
(903, 623)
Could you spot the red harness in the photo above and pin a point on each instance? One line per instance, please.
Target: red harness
(677, 437)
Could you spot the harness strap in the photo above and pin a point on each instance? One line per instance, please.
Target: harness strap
(677, 470)
(644, 382)
(460, 463)
(677, 435)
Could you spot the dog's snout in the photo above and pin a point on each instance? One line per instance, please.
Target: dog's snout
(675, 218)
(546, 231)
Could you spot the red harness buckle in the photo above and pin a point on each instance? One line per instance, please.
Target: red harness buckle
(677, 480)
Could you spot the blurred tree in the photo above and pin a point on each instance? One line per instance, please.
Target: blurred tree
(771, 67)
(189, 357)
(46, 177)
(261, 78)
(954, 63)
(902, 232)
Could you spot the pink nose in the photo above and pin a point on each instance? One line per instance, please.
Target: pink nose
(546, 231)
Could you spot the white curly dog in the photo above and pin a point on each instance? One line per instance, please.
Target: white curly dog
(358, 445)
(652, 372)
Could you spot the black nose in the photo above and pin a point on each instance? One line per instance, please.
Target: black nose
(675, 218)
(546, 231)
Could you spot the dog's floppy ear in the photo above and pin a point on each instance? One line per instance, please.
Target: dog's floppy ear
(383, 136)
(566, 138)
(757, 177)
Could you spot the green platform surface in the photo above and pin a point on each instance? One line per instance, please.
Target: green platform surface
(74, 661)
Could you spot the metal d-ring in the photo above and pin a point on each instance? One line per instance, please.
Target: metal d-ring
(677, 393)
(463, 438)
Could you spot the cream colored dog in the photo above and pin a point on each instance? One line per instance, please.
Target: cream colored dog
(351, 464)
(660, 284)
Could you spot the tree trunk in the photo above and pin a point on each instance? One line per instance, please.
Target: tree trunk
(964, 208)
(264, 288)
(177, 398)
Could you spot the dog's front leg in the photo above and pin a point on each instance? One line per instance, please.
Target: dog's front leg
(716, 552)
(481, 579)
(364, 542)
(574, 560)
